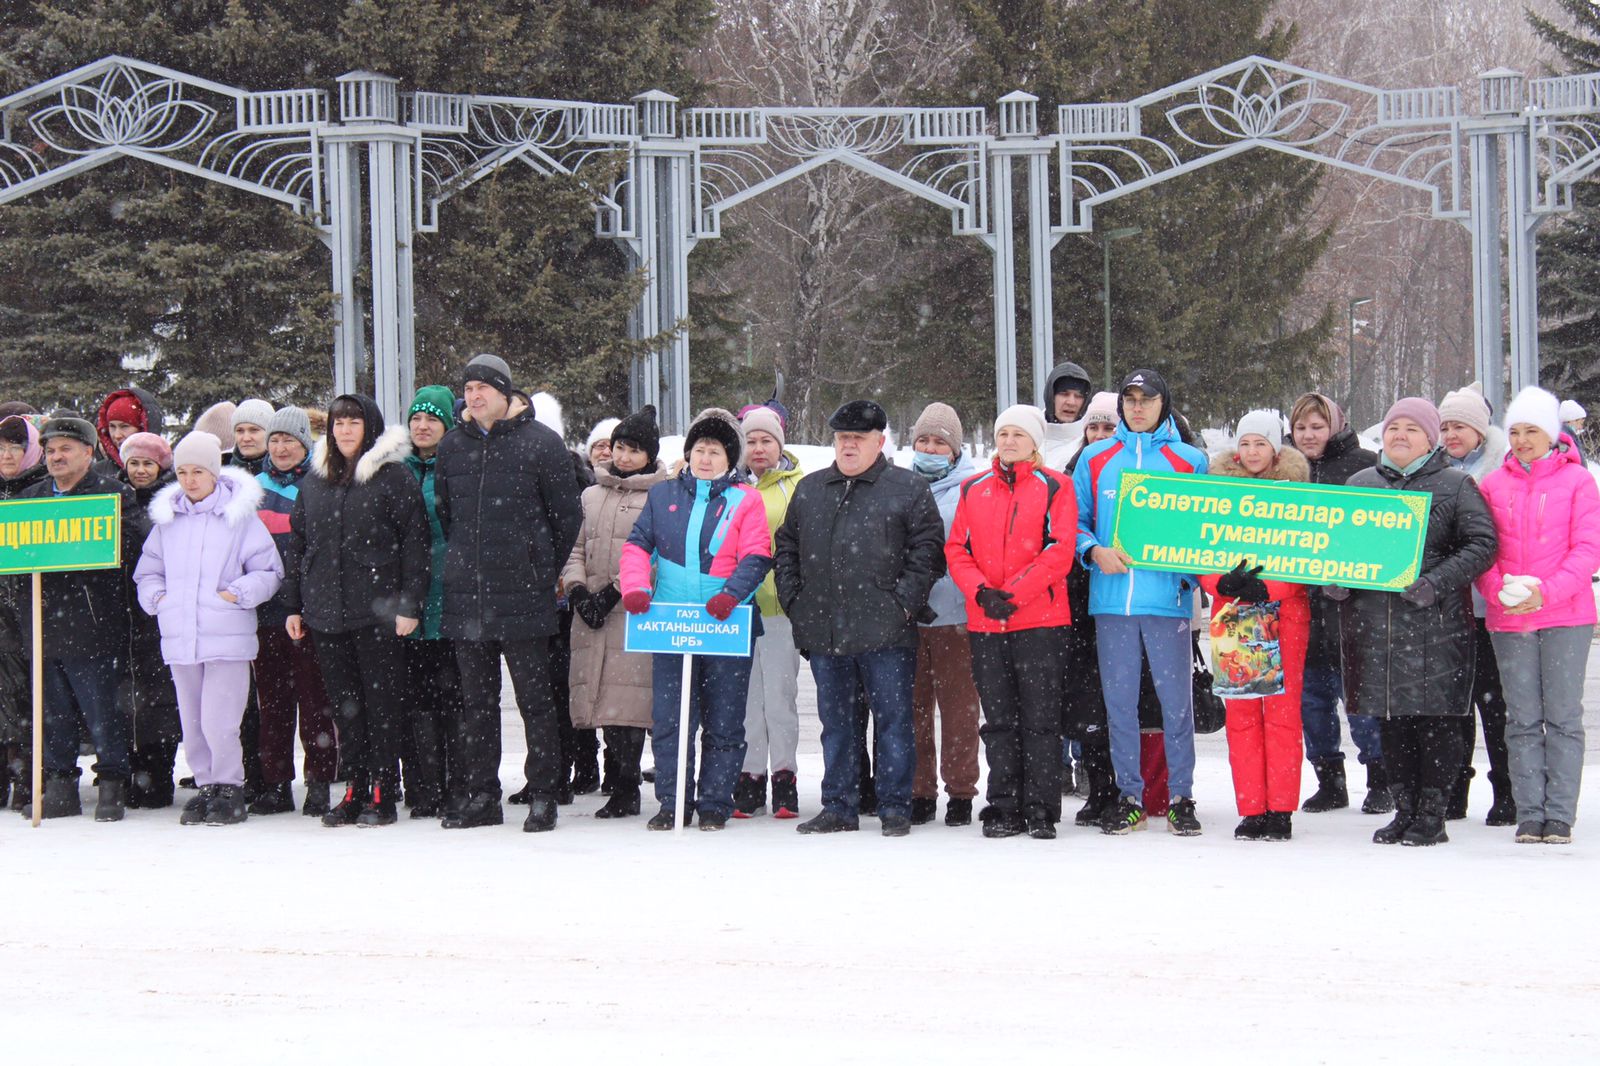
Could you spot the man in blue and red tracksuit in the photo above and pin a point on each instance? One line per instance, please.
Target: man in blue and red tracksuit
(1145, 608)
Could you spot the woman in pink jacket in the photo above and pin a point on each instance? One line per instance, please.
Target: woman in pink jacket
(1541, 613)
(208, 563)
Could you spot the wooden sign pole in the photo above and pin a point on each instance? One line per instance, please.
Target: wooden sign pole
(38, 698)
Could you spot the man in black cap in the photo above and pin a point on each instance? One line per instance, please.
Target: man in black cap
(85, 634)
(860, 547)
(507, 499)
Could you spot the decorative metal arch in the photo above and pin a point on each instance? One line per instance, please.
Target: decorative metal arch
(677, 175)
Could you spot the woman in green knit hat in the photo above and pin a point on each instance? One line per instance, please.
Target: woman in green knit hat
(433, 686)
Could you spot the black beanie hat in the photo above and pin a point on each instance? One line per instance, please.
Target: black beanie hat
(491, 370)
(722, 427)
(640, 430)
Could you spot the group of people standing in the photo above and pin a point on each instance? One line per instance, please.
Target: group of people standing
(367, 586)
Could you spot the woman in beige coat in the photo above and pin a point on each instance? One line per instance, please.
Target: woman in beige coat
(611, 687)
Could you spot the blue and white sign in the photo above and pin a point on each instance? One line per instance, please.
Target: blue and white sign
(689, 629)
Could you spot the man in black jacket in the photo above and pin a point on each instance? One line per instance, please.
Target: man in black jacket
(508, 502)
(857, 553)
(85, 635)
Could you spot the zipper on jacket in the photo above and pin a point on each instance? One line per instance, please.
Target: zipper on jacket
(1138, 464)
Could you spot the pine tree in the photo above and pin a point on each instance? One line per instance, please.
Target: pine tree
(226, 295)
(1569, 252)
(1200, 292)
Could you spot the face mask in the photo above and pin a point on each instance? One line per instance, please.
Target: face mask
(932, 467)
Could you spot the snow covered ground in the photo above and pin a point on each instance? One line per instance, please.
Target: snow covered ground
(280, 941)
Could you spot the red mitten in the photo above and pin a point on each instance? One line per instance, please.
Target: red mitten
(637, 601)
(721, 606)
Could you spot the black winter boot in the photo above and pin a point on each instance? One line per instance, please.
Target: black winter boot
(1378, 800)
(226, 806)
(274, 799)
(608, 771)
(541, 815)
(1404, 812)
(61, 798)
(348, 809)
(1251, 828)
(112, 801)
(480, 810)
(923, 811)
(624, 801)
(379, 808)
(1278, 826)
(1456, 807)
(194, 812)
(1427, 827)
(958, 812)
(750, 796)
(785, 795)
(585, 774)
(1503, 812)
(869, 797)
(316, 804)
(1332, 793)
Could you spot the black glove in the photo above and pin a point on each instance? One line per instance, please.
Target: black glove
(1421, 593)
(996, 603)
(1243, 584)
(1337, 593)
(584, 605)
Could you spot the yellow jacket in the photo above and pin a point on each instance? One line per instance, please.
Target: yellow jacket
(776, 487)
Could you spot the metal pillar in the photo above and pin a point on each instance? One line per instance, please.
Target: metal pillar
(1041, 302)
(1005, 296)
(385, 278)
(1484, 226)
(1521, 262)
(672, 251)
(344, 225)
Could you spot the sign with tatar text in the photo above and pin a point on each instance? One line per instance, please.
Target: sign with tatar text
(60, 533)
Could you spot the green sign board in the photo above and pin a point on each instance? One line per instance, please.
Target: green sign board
(1312, 534)
(60, 533)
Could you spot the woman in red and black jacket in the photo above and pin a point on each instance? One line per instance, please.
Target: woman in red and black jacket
(1010, 549)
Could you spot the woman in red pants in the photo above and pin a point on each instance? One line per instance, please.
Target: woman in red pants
(1264, 748)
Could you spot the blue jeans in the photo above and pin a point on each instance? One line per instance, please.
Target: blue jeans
(1169, 646)
(887, 675)
(87, 687)
(1319, 718)
(718, 688)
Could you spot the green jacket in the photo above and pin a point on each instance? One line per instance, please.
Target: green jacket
(776, 487)
(422, 469)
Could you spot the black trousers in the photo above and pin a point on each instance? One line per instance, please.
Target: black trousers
(1019, 682)
(429, 759)
(574, 742)
(1423, 751)
(479, 744)
(1491, 704)
(364, 671)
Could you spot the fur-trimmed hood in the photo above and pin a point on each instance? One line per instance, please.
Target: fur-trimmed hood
(243, 497)
(1491, 456)
(391, 447)
(1291, 465)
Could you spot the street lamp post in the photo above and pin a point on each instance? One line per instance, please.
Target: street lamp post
(1350, 393)
(1105, 286)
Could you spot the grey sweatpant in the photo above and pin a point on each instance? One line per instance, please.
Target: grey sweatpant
(1542, 675)
(771, 714)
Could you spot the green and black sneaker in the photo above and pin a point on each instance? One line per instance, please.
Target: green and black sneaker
(1123, 817)
(1181, 820)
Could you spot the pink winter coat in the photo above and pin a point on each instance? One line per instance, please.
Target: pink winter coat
(1548, 520)
(196, 550)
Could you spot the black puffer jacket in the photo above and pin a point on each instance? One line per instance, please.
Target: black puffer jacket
(1400, 659)
(358, 553)
(145, 693)
(86, 611)
(1341, 459)
(16, 683)
(508, 501)
(855, 558)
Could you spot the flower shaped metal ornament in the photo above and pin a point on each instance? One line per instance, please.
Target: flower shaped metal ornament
(1293, 113)
(122, 111)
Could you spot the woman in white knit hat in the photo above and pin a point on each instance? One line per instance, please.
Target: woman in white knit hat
(1541, 610)
(1264, 750)
(1473, 443)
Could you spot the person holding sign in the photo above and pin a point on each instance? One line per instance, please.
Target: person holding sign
(1263, 732)
(21, 467)
(1408, 656)
(705, 536)
(1005, 555)
(208, 564)
(856, 555)
(1139, 609)
(85, 635)
(1541, 611)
